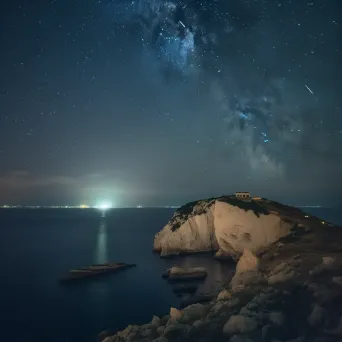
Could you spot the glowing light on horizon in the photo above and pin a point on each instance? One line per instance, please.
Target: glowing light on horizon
(104, 205)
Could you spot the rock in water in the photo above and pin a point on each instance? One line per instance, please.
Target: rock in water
(224, 224)
(177, 273)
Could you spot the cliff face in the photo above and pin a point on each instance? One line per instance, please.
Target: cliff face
(224, 224)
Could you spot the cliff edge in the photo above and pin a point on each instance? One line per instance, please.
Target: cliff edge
(226, 225)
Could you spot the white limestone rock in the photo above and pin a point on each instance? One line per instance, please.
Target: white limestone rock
(247, 270)
(247, 262)
(175, 314)
(224, 295)
(217, 225)
(328, 260)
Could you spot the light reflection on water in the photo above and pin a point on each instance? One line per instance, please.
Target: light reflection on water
(98, 293)
(101, 251)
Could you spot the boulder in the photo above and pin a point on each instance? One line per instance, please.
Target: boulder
(241, 280)
(175, 314)
(239, 324)
(337, 280)
(328, 263)
(217, 307)
(129, 331)
(281, 273)
(160, 330)
(155, 321)
(318, 315)
(198, 324)
(193, 313)
(175, 328)
(224, 295)
(328, 260)
(277, 318)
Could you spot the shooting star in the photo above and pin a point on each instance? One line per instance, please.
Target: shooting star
(181, 23)
(309, 89)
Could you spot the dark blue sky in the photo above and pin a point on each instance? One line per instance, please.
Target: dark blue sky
(159, 104)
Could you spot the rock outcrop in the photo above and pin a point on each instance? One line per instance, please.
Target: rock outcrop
(247, 270)
(224, 224)
(177, 273)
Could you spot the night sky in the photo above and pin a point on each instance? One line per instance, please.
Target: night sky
(160, 102)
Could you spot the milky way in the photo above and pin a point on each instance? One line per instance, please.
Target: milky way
(257, 57)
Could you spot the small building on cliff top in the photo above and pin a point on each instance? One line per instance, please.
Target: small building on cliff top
(243, 195)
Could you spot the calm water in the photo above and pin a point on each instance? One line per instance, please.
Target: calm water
(38, 246)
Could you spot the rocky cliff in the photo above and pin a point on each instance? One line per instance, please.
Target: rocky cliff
(290, 292)
(225, 224)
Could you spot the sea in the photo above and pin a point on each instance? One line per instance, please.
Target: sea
(38, 246)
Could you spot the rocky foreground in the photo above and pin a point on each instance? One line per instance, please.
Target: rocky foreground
(291, 290)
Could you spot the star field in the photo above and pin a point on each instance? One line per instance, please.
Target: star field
(160, 102)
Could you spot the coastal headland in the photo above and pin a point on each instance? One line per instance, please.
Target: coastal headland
(288, 280)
